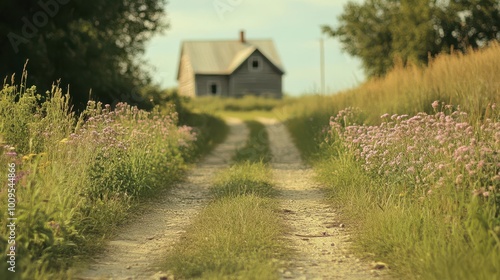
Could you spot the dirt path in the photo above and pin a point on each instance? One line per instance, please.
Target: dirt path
(143, 242)
(319, 239)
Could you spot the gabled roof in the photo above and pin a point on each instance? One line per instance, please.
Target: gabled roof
(223, 57)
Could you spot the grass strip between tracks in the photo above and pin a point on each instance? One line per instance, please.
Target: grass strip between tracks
(239, 234)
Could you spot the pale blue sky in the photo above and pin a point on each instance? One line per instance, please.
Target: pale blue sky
(294, 26)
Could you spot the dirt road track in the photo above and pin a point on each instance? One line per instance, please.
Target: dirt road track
(318, 237)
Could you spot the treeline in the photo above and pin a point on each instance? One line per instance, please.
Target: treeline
(383, 33)
(94, 47)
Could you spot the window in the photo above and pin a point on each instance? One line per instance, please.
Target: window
(255, 63)
(213, 88)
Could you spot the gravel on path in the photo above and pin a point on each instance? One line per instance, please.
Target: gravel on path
(319, 239)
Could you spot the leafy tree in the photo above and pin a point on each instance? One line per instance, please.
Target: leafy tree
(91, 46)
(365, 32)
(413, 33)
(471, 23)
(381, 32)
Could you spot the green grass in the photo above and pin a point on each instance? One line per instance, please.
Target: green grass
(248, 115)
(238, 236)
(244, 104)
(307, 134)
(209, 128)
(256, 148)
(233, 238)
(244, 179)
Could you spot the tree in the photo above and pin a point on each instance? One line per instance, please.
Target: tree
(89, 45)
(381, 32)
(413, 33)
(365, 32)
(472, 23)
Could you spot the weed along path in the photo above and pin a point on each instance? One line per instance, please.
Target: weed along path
(144, 241)
(319, 241)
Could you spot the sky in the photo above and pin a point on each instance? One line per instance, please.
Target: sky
(293, 25)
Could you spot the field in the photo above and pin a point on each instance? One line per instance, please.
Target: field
(409, 162)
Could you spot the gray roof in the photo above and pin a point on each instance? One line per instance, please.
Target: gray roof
(223, 57)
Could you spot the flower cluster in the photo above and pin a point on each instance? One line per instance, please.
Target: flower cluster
(347, 117)
(126, 125)
(132, 149)
(427, 151)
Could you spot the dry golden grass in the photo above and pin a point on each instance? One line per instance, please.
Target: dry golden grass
(470, 80)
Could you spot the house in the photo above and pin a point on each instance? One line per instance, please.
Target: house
(230, 68)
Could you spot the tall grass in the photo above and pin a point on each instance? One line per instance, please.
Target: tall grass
(419, 177)
(77, 175)
(470, 81)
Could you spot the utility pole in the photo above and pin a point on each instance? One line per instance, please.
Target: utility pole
(322, 62)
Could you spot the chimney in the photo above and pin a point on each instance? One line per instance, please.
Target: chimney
(242, 36)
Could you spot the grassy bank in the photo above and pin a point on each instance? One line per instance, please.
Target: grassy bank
(77, 176)
(210, 129)
(420, 178)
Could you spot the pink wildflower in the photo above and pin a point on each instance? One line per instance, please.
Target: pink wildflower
(435, 104)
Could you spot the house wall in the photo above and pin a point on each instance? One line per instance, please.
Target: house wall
(265, 82)
(186, 78)
(203, 81)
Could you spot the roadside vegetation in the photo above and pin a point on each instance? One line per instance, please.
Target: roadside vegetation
(78, 176)
(239, 234)
(412, 159)
(209, 128)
